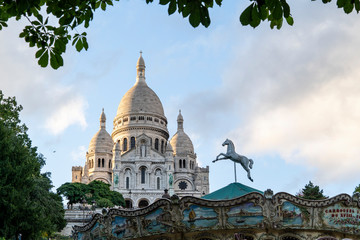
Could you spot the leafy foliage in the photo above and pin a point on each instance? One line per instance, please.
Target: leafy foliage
(27, 204)
(357, 189)
(52, 39)
(95, 190)
(311, 192)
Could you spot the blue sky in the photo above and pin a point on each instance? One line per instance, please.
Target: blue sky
(289, 99)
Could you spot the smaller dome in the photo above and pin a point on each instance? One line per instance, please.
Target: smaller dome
(101, 141)
(181, 142)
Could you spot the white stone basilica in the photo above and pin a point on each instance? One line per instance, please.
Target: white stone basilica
(137, 159)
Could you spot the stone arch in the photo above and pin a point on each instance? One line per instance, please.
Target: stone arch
(128, 203)
(155, 167)
(143, 202)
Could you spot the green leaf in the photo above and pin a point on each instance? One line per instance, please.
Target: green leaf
(341, 3)
(56, 60)
(44, 59)
(255, 17)
(348, 7)
(79, 45)
(357, 5)
(172, 7)
(85, 44)
(245, 17)
(278, 12)
(103, 6)
(286, 8)
(290, 20)
(264, 12)
(40, 52)
(164, 2)
(194, 18)
(186, 11)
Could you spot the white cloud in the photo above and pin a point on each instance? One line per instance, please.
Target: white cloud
(69, 113)
(47, 98)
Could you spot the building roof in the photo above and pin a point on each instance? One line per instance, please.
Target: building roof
(233, 190)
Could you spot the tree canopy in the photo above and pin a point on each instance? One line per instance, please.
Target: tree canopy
(94, 191)
(51, 40)
(28, 207)
(311, 192)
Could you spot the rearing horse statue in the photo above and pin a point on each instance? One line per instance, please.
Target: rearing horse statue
(237, 158)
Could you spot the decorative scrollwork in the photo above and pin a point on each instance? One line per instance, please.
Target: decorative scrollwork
(344, 198)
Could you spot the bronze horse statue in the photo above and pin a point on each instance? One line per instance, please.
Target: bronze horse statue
(245, 162)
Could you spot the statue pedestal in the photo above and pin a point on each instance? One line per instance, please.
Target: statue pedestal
(171, 191)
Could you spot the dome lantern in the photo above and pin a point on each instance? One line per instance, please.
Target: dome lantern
(102, 120)
(140, 68)
(180, 121)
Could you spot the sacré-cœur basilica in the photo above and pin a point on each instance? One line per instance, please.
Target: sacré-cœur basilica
(137, 159)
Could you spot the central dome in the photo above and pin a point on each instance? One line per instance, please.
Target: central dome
(140, 99)
(140, 110)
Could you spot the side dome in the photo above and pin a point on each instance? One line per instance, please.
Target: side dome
(181, 142)
(101, 141)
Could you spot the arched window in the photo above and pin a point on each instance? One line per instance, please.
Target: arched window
(180, 163)
(125, 144)
(103, 162)
(127, 182)
(109, 163)
(162, 146)
(143, 172)
(132, 142)
(128, 203)
(158, 183)
(99, 162)
(143, 203)
(184, 163)
(157, 144)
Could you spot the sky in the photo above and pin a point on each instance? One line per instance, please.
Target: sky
(289, 99)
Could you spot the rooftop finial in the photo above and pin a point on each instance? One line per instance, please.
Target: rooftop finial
(140, 67)
(180, 121)
(102, 119)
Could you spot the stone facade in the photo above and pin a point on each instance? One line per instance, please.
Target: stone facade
(137, 159)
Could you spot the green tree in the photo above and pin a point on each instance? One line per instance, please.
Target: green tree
(52, 39)
(311, 192)
(357, 189)
(95, 190)
(28, 207)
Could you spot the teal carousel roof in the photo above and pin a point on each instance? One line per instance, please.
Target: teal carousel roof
(233, 190)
